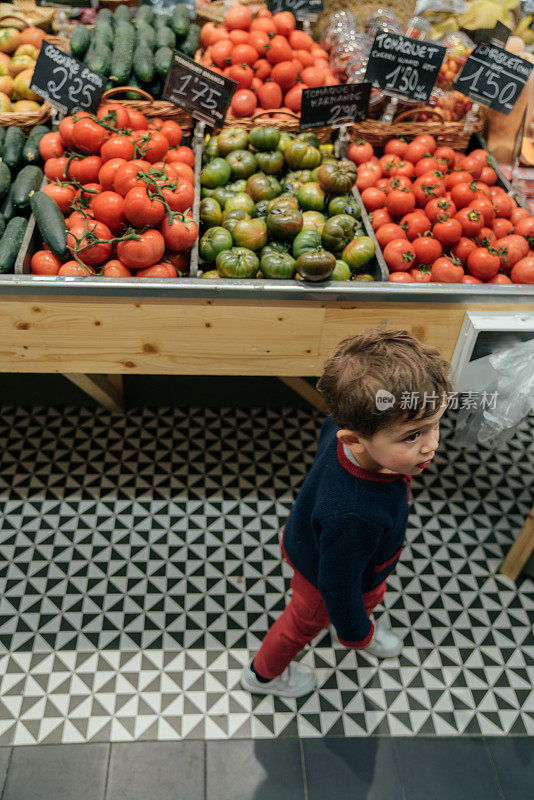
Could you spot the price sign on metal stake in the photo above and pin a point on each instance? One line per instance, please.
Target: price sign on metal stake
(494, 77)
(297, 7)
(403, 66)
(66, 83)
(205, 94)
(334, 105)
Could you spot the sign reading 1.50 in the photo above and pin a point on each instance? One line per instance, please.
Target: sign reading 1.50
(494, 77)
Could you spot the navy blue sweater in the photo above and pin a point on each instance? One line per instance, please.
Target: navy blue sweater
(345, 533)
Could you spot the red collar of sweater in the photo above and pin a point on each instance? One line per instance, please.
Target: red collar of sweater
(366, 474)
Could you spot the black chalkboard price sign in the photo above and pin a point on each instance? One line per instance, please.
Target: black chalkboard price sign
(66, 83)
(300, 8)
(494, 77)
(334, 105)
(403, 66)
(205, 94)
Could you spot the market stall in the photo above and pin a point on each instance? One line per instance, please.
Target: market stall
(198, 224)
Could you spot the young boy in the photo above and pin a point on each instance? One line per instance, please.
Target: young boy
(386, 393)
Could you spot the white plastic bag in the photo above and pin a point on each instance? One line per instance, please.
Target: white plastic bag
(507, 397)
(440, 6)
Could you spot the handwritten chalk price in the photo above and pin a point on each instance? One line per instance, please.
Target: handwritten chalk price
(494, 77)
(66, 83)
(403, 66)
(203, 93)
(334, 105)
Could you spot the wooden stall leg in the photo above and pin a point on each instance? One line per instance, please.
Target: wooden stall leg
(303, 388)
(109, 394)
(520, 551)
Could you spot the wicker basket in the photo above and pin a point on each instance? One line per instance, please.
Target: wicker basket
(25, 119)
(36, 15)
(290, 123)
(450, 134)
(150, 107)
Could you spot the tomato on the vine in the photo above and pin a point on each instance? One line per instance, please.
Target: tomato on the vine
(44, 262)
(172, 132)
(183, 154)
(117, 147)
(126, 177)
(108, 207)
(118, 116)
(143, 251)
(75, 268)
(115, 269)
(85, 170)
(88, 136)
(108, 170)
(62, 194)
(89, 251)
(142, 207)
(55, 169)
(181, 197)
(180, 234)
(50, 146)
(153, 145)
(163, 270)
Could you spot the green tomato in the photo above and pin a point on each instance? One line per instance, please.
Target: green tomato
(358, 252)
(263, 187)
(313, 220)
(216, 173)
(338, 232)
(260, 209)
(237, 263)
(326, 150)
(305, 241)
(206, 192)
(230, 139)
(300, 155)
(309, 137)
(210, 212)
(211, 274)
(221, 195)
(344, 204)
(276, 247)
(280, 266)
(313, 174)
(337, 177)
(364, 276)
(264, 138)
(283, 201)
(311, 197)
(341, 271)
(211, 149)
(238, 186)
(250, 233)
(285, 139)
(242, 163)
(240, 200)
(214, 242)
(284, 223)
(271, 163)
(231, 218)
(316, 265)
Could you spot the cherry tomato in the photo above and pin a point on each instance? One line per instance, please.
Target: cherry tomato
(483, 264)
(388, 232)
(399, 255)
(180, 234)
(142, 252)
(445, 270)
(45, 263)
(63, 195)
(447, 232)
(426, 249)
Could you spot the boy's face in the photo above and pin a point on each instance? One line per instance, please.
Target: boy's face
(406, 447)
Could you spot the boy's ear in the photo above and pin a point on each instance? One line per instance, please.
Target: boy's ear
(348, 437)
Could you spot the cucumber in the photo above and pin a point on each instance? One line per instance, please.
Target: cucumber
(162, 20)
(104, 16)
(5, 181)
(2, 224)
(30, 152)
(180, 20)
(191, 43)
(103, 36)
(163, 61)
(122, 57)
(144, 64)
(145, 35)
(2, 137)
(13, 147)
(122, 13)
(11, 242)
(99, 60)
(80, 40)
(26, 184)
(165, 38)
(7, 209)
(145, 15)
(155, 87)
(50, 222)
(133, 82)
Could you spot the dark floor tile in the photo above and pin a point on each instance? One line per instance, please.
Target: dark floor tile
(346, 769)
(457, 768)
(162, 770)
(5, 752)
(57, 772)
(514, 760)
(263, 769)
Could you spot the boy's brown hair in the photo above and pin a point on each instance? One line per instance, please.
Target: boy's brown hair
(359, 380)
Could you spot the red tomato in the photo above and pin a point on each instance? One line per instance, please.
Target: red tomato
(517, 214)
(181, 197)
(51, 146)
(126, 177)
(511, 250)
(75, 268)
(183, 155)
(141, 207)
(448, 232)
(366, 178)
(85, 170)
(63, 195)
(245, 54)
(463, 194)
(164, 270)
(485, 206)
(244, 103)
(439, 208)
(523, 271)
(471, 279)
(445, 270)
(142, 252)
(136, 120)
(380, 217)
(426, 249)
(45, 263)
(108, 170)
(55, 169)
(360, 151)
(415, 151)
(404, 169)
(179, 170)
(115, 269)
(242, 74)
(473, 165)
(108, 207)
(293, 98)
(88, 136)
(485, 237)
(116, 115)
(262, 70)
(427, 164)
(458, 176)
(221, 52)
(401, 277)
(388, 164)
(489, 176)
(426, 187)
(180, 262)
(420, 275)
(396, 147)
(471, 220)
(180, 234)
(373, 198)
(399, 182)
(386, 233)
(428, 141)
(525, 227)
(462, 248)
(415, 224)
(65, 129)
(503, 204)
(270, 95)
(502, 227)
(239, 17)
(172, 132)
(285, 23)
(153, 146)
(77, 217)
(445, 154)
(483, 264)
(117, 147)
(279, 50)
(399, 255)
(500, 278)
(90, 252)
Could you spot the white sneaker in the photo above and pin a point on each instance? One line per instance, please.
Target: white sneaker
(384, 644)
(295, 681)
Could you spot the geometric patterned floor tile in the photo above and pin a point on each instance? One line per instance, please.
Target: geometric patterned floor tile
(140, 568)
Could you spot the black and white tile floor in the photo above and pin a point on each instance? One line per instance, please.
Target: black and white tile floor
(140, 568)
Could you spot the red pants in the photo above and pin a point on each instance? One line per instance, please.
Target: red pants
(303, 619)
